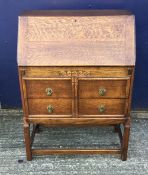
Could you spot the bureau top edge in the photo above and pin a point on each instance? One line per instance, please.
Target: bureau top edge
(105, 12)
(79, 65)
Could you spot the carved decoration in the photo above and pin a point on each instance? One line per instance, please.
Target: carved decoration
(74, 73)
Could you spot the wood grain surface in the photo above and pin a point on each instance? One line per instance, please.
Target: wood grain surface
(76, 40)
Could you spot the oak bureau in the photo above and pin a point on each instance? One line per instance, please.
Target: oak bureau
(76, 68)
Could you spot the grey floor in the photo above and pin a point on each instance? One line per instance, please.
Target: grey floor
(12, 149)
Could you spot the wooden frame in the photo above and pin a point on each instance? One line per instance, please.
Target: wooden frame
(124, 138)
(95, 45)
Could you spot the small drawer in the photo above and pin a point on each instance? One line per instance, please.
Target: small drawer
(49, 88)
(50, 106)
(102, 106)
(104, 88)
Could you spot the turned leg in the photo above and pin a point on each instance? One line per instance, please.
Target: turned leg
(125, 140)
(27, 141)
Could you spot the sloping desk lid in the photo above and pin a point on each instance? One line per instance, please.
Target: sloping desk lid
(65, 38)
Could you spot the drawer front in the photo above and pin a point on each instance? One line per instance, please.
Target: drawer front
(50, 106)
(103, 88)
(102, 106)
(49, 88)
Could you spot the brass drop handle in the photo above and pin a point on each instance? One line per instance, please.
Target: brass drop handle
(102, 91)
(48, 91)
(50, 109)
(101, 108)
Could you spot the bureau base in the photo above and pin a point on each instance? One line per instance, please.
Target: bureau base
(124, 138)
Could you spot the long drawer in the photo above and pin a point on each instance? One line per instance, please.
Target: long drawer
(79, 71)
